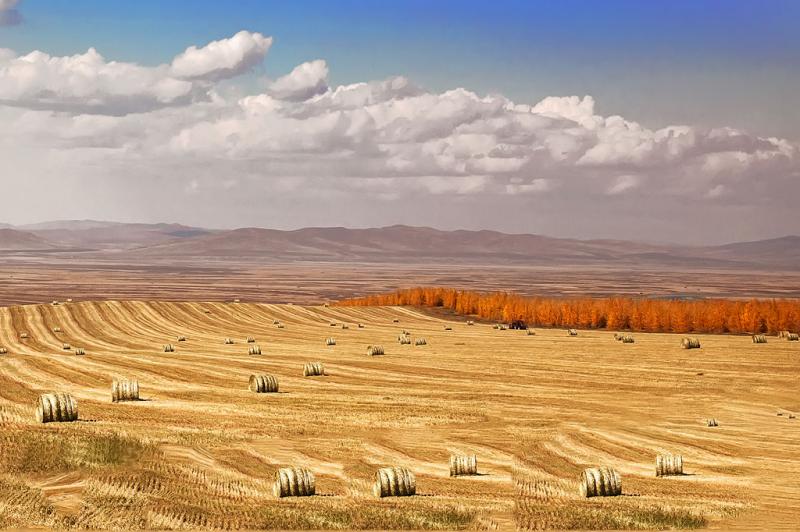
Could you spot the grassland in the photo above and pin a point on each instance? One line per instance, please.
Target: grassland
(200, 451)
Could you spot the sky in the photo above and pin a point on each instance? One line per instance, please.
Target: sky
(660, 121)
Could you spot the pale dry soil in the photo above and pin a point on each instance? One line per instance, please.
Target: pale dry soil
(201, 451)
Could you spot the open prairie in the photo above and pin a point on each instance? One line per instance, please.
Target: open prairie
(201, 451)
(310, 283)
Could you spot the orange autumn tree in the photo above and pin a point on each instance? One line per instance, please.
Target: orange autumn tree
(618, 313)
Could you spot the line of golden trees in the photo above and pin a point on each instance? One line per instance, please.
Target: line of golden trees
(619, 313)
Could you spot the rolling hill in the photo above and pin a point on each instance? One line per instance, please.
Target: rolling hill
(397, 244)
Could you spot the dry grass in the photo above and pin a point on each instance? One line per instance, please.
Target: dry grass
(202, 451)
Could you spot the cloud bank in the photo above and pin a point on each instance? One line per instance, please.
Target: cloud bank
(385, 141)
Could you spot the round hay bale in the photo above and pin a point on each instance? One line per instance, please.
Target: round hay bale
(759, 339)
(56, 407)
(80, 351)
(360, 325)
(420, 341)
(124, 390)
(461, 464)
(66, 347)
(23, 336)
(530, 332)
(280, 326)
(250, 340)
(330, 341)
(345, 326)
(448, 328)
(69, 300)
(275, 322)
(55, 303)
(783, 334)
(254, 350)
(600, 482)
(228, 341)
(375, 350)
(236, 300)
(793, 337)
(394, 482)
(181, 338)
(572, 332)
(627, 339)
(712, 422)
(333, 324)
(56, 329)
(690, 343)
(313, 369)
(618, 336)
(294, 482)
(169, 348)
(669, 464)
(263, 384)
(470, 322)
(404, 340)
(395, 320)
(3, 350)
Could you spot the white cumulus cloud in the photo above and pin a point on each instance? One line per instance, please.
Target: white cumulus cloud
(88, 83)
(303, 82)
(222, 59)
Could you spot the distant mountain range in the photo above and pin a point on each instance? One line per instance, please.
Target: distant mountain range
(394, 244)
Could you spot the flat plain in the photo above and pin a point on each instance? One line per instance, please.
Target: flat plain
(307, 282)
(201, 451)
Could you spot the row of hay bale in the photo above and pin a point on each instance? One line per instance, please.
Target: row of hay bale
(607, 482)
(401, 482)
(62, 407)
(389, 481)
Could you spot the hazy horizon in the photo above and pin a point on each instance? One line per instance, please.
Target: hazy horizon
(44, 225)
(566, 119)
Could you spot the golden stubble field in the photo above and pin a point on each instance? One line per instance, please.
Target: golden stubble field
(201, 451)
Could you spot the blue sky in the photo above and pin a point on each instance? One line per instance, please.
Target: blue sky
(732, 62)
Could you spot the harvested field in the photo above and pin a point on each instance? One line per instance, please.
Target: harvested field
(199, 450)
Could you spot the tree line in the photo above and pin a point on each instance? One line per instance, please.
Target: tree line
(762, 316)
